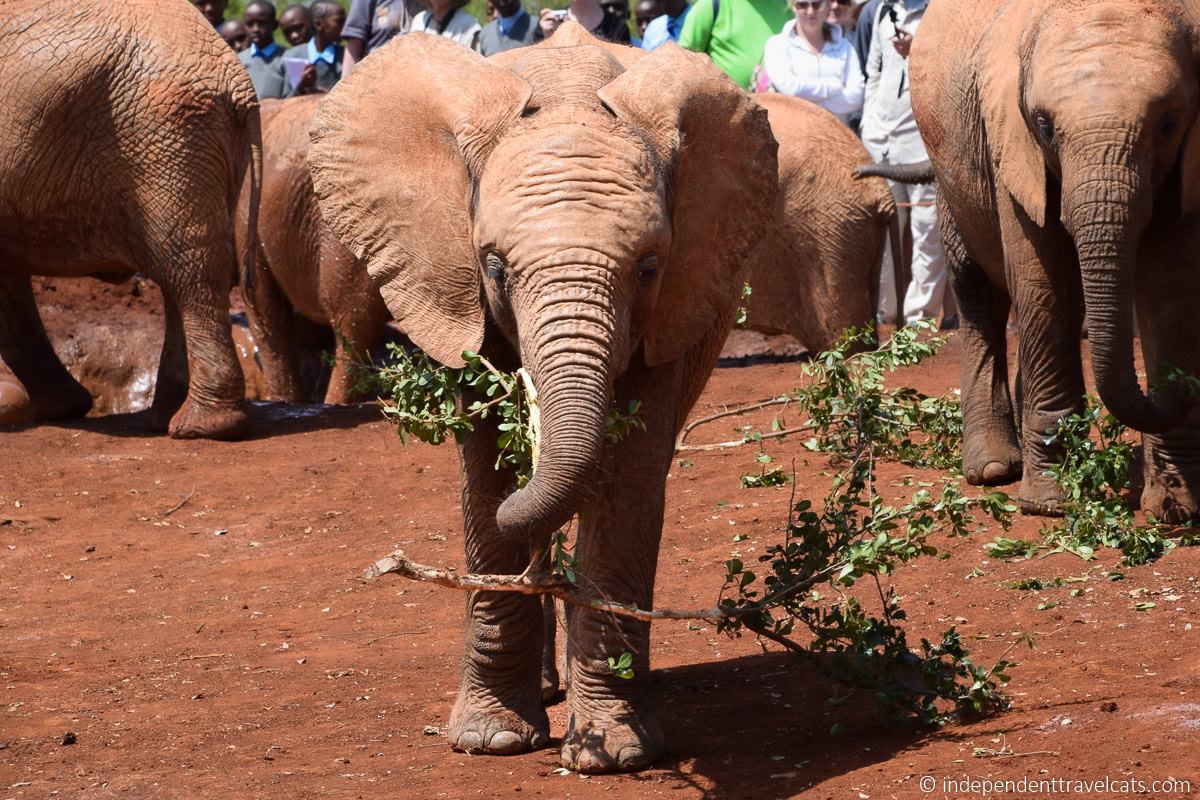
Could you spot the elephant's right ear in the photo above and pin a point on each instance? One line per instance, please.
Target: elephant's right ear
(393, 146)
(1017, 159)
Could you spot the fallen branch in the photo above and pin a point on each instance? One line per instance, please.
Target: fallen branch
(205, 655)
(179, 505)
(554, 585)
(729, 412)
(700, 448)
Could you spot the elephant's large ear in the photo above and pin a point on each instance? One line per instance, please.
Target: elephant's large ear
(393, 149)
(1017, 159)
(719, 145)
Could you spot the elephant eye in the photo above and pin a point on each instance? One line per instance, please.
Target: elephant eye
(497, 267)
(647, 269)
(1045, 128)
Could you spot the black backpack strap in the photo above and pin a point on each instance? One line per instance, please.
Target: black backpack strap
(716, 10)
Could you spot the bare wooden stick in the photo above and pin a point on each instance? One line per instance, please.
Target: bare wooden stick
(729, 412)
(554, 585)
(180, 504)
(700, 448)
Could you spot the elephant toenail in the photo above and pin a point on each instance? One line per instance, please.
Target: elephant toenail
(469, 742)
(631, 758)
(506, 743)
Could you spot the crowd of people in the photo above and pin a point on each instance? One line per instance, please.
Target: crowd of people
(847, 56)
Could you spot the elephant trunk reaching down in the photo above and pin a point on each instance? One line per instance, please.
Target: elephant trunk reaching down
(570, 363)
(1106, 227)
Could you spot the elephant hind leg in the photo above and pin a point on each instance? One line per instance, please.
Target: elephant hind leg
(550, 680)
(171, 384)
(197, 284)
(358, 331)
(991, 453)
(53, 393)
(272, 321)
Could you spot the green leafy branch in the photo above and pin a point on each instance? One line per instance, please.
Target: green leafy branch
(1094, 472)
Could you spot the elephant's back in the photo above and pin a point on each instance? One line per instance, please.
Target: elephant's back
(299, 246)
(817, 157)
(97, 89)
(941, 63)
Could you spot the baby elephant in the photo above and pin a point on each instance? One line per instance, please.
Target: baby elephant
(584, 210)
(125, 136)
(817, 272)
(303, 274)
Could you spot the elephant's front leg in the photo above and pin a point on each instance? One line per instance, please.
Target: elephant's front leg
(611, 724)
(499, 709)
(1049, 301)
(1168, 296)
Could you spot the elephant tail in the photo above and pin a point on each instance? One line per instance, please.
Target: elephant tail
(895, 223)
(919, 172)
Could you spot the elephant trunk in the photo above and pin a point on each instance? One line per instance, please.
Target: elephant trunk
(570, 362)
(1106, 225)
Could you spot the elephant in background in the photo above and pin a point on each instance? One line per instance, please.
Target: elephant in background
(816, 273)
(126, 135)
(1065, 141)
(584, 210)
(303, 274)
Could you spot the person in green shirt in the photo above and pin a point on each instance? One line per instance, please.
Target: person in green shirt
(734, 36)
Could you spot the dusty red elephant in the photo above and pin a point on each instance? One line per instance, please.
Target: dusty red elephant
(127, 129)
(585, 210)
(1066, 143)
(303, 277)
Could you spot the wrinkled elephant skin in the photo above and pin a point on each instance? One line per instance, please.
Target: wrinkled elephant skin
(547, 214)
(816, 272)
(303, 276)
(126, 134)
(1091, 168)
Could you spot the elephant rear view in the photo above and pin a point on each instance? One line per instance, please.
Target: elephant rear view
(817, 272)
(584, 210)
(303, 274)
(125, 137)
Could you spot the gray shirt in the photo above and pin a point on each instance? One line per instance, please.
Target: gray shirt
(266, 70)
(495, 39)
(377, 21)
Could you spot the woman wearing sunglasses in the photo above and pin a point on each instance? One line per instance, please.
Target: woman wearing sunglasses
(812, 60)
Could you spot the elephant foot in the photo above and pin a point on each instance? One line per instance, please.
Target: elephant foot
(194, 421)
(598, 746)
(1169, 500)
(14, 403)
(1040, 495)
(992, 466)
(68, 400)
(492, 728)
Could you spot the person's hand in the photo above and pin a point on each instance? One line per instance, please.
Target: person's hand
(902, 41)
(308, 80)
(549, 20)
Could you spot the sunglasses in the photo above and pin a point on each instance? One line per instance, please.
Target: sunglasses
(809, 5)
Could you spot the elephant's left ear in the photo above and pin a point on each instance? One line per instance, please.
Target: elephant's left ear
(719, 145)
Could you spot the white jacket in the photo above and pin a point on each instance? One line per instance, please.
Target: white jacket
(889, 129)
(463, 28)
(831, 78)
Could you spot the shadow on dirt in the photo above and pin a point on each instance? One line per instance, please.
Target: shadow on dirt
(267, 420)
(763, 727)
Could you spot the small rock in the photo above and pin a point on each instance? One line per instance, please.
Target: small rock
(1108, 707)
(432, 730)
(69, 738)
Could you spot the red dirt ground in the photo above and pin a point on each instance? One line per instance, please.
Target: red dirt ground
(194, 613)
